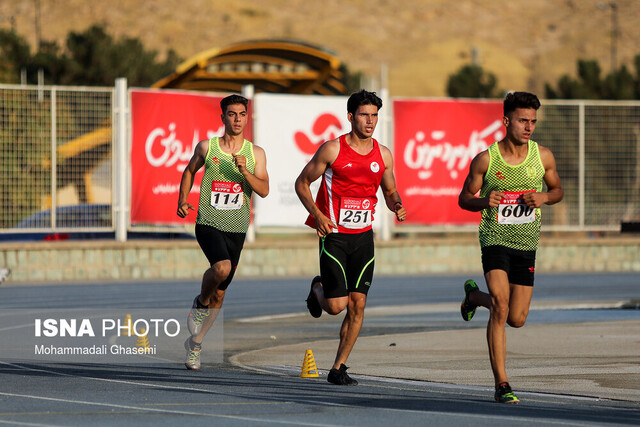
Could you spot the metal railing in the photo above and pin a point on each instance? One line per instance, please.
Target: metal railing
(57, 148)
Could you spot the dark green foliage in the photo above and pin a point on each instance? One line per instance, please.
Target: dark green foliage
(91, 58)
(589, 84)
(471, 81)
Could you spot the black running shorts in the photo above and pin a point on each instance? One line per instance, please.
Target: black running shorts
(220, 245)
(519, 265)
(346, 263)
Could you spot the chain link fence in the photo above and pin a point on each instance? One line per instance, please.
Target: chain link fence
(56, 146)
(55, 151)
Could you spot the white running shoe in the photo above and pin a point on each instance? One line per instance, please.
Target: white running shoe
(196, 317)
(193, 354)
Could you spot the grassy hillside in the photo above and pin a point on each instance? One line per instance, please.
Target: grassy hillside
(525, 43)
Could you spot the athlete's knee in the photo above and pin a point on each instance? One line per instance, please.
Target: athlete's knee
(499, 308)
(334, 306)
(221, 270)
(517, 320)
(357, 302)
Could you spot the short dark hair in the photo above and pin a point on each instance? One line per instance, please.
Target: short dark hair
(232, 99)
(515, 100)
(363, 98)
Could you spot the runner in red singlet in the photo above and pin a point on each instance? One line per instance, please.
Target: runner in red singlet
(352, 168)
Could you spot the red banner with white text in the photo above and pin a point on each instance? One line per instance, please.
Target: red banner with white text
(435, 141)
(165, 129)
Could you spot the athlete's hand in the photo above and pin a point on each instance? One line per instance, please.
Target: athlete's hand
(401, 212)
(183, 209)
(535, 200)
(240, 162)
(324, 225)
(494, 198)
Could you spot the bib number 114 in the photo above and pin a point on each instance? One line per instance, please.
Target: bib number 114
(226, 195)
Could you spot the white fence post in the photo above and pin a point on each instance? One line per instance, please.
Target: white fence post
(386, 217)
(54, 158)
(121, 164)
(247, 92)
(581, 165)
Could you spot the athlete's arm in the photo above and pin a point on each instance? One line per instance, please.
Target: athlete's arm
(473, 183)
(554, 193)
(259, 179)
(196, 162)
(388, 184)
(324, 158)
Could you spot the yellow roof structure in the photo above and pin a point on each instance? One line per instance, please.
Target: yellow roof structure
(273, 66)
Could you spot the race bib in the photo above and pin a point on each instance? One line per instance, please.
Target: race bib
(226, 195)
(513, 209)
(355, 213)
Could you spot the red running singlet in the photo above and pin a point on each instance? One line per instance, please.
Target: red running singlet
(347, 193)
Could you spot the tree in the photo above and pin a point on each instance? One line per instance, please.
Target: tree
(471, 81)
(14, 55)
(618, 84)
(91, 58)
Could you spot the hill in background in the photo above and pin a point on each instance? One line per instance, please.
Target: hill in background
(422, 42)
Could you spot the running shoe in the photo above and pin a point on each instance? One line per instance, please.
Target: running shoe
(340, 377)
(313, 305)
(196, 317)
(505, 395)
(193, 354)
(466, 308)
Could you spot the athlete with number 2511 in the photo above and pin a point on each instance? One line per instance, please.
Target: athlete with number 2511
(352, 167)
(509, 176)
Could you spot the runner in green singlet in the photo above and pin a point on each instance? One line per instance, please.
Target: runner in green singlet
(509, 176)
(234, 168)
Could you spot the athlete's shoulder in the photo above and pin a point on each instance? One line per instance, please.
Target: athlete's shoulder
(480, 163)
(202, 147)
(546, 155)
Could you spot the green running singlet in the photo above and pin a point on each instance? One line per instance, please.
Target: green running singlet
(225, 195)
(512, 224)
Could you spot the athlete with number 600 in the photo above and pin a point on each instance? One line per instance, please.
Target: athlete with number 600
(352, 167)
(509, 177)
(234, 168)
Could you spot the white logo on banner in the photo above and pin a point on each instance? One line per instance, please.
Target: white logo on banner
(175, 153)
(420, 153)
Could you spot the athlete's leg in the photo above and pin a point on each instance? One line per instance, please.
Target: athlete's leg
(519, 303)
(332, 306)
(215, 304)
(212, 278)
(331, 291)
(499, 289)
(480, 298)
(351, 326)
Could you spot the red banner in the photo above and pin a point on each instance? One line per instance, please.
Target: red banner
(435, 142)
(165, 129)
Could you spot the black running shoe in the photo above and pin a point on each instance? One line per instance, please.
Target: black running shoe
(312, 301)
(505, 395)
(340, 377)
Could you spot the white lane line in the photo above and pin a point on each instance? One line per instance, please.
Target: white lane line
(284, 370)
(147, 409)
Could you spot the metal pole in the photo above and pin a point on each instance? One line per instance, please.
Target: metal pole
(121, 168)
(54, 157)
(581, 165)
(248, 92)
(385, 215)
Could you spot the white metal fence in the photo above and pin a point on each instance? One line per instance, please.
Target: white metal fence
(57, 148)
